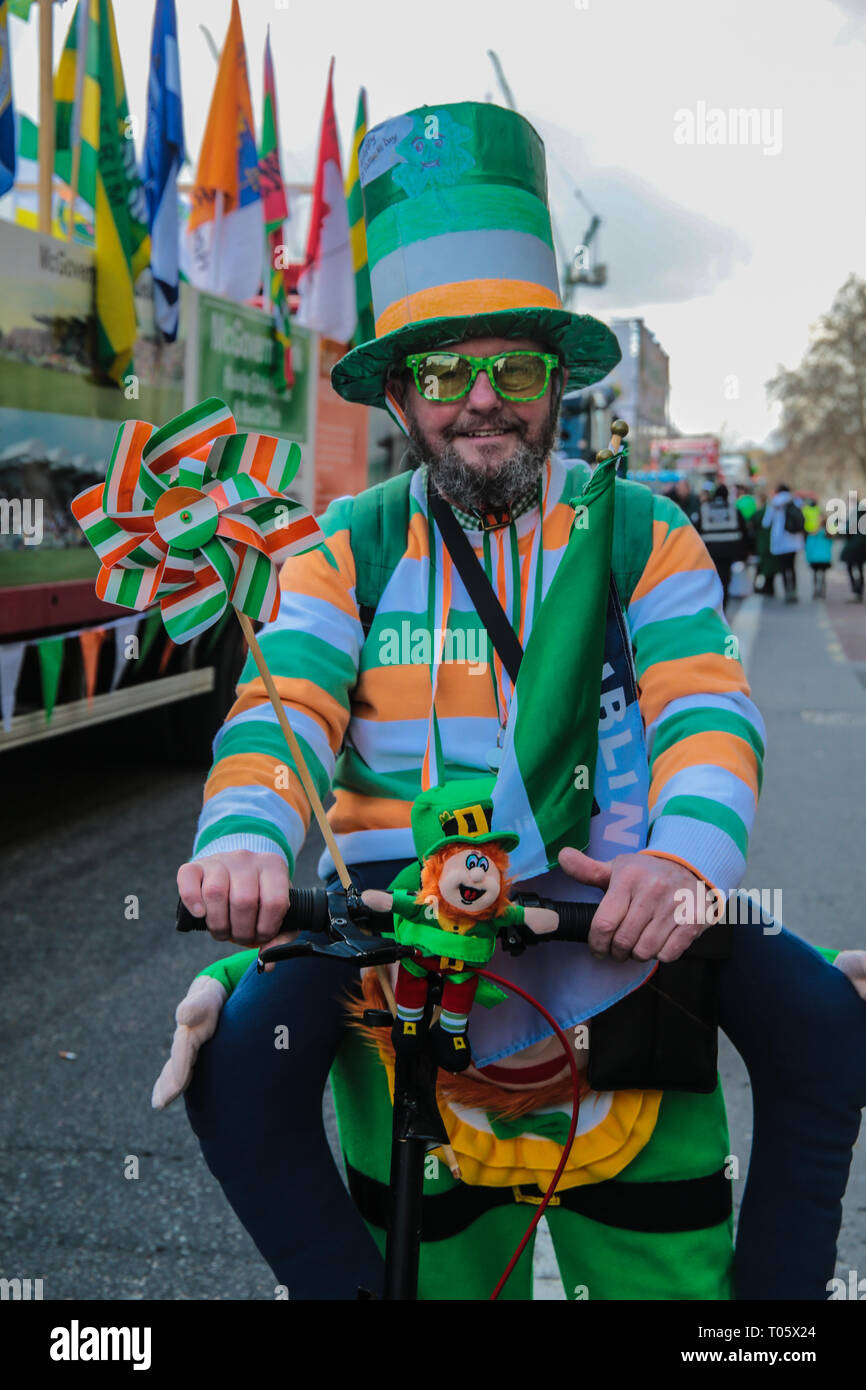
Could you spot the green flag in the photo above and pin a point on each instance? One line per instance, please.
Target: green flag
(108, 177)
(544, 788)
(357, 234)
(275, 210)
(50, 662)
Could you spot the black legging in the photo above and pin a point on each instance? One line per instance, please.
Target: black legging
(787, 565)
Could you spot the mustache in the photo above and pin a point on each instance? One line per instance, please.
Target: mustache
(487, 422)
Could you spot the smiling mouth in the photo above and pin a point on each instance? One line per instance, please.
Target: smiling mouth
(486, 434)
(469, 894)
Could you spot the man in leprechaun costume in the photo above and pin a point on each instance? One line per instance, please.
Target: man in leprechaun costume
(620, 744)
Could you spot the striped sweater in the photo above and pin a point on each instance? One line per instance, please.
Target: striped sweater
(361, 709)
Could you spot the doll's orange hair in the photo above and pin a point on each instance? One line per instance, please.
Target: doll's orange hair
(431, 872)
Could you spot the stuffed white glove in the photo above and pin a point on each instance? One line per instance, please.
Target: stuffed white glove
(197, 1016)
(853, 964)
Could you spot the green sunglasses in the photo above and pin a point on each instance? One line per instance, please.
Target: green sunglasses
(515, 376)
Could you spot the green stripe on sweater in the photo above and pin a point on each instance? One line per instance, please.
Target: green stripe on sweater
(338, 517)
(306, 657)
(711, 812)
(707, 720)
(671, 639)
(246, 825)
(261, 736)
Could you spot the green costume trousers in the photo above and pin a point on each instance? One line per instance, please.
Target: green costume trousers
(596, 1261)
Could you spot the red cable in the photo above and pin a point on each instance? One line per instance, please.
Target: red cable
(575, 1076)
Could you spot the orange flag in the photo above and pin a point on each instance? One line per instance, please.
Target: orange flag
(223, 237)
(91, 645)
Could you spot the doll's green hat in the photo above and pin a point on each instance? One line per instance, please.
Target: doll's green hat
(460, 245)
(456, 813)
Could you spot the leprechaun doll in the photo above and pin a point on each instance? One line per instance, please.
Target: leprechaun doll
(453, 921)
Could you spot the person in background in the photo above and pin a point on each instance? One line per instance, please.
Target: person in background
(854, 556)
(686, 500)
(819, 552)
(812, 515)
(725, 534)
(784, 520)
(765, 575)
(747, 506)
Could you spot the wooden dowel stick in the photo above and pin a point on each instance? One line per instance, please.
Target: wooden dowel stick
(451, 1160)
(385, 984)
(46, 115)
(295, 749)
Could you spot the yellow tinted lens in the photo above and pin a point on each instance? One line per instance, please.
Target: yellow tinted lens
(443, 376)
(520, 375)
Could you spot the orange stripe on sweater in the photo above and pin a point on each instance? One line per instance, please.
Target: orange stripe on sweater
(312, 575)
(302, 695)
(352, 811)
(707, 674)
(525, 567)
(720, 749)
(672, 551)
(258, 770)
(388, 693)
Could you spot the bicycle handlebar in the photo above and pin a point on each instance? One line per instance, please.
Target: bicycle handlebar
(353, 926)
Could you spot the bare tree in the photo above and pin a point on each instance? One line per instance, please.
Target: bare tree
(823, 400)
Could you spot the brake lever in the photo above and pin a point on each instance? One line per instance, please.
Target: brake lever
(348, 936)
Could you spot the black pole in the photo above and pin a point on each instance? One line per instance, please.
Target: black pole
(404, 1226)
(417, 1127)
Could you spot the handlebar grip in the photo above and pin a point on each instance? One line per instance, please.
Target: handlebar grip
(308, 911)
(185, 921)
(575, 920)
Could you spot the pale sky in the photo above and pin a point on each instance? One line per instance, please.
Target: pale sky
(728, 253)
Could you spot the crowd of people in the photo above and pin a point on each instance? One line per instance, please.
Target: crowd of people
(767, 532)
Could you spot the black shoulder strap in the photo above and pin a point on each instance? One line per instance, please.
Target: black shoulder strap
(478, 586)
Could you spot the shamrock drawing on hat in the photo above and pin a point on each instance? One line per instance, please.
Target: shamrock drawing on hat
(433, 153)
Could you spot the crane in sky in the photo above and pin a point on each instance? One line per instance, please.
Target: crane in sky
(577, 266)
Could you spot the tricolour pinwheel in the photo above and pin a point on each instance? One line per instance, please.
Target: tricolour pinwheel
(194, 515)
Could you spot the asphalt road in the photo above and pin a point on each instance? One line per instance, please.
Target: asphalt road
(91, 821)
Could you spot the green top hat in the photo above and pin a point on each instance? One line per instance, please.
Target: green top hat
(459, 245)
(456, 813)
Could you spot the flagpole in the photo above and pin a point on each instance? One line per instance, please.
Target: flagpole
(217, 239)
(77, 111)
(295, 748)
(46, 114)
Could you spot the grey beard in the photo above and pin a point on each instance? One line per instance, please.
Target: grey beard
(472, 489)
